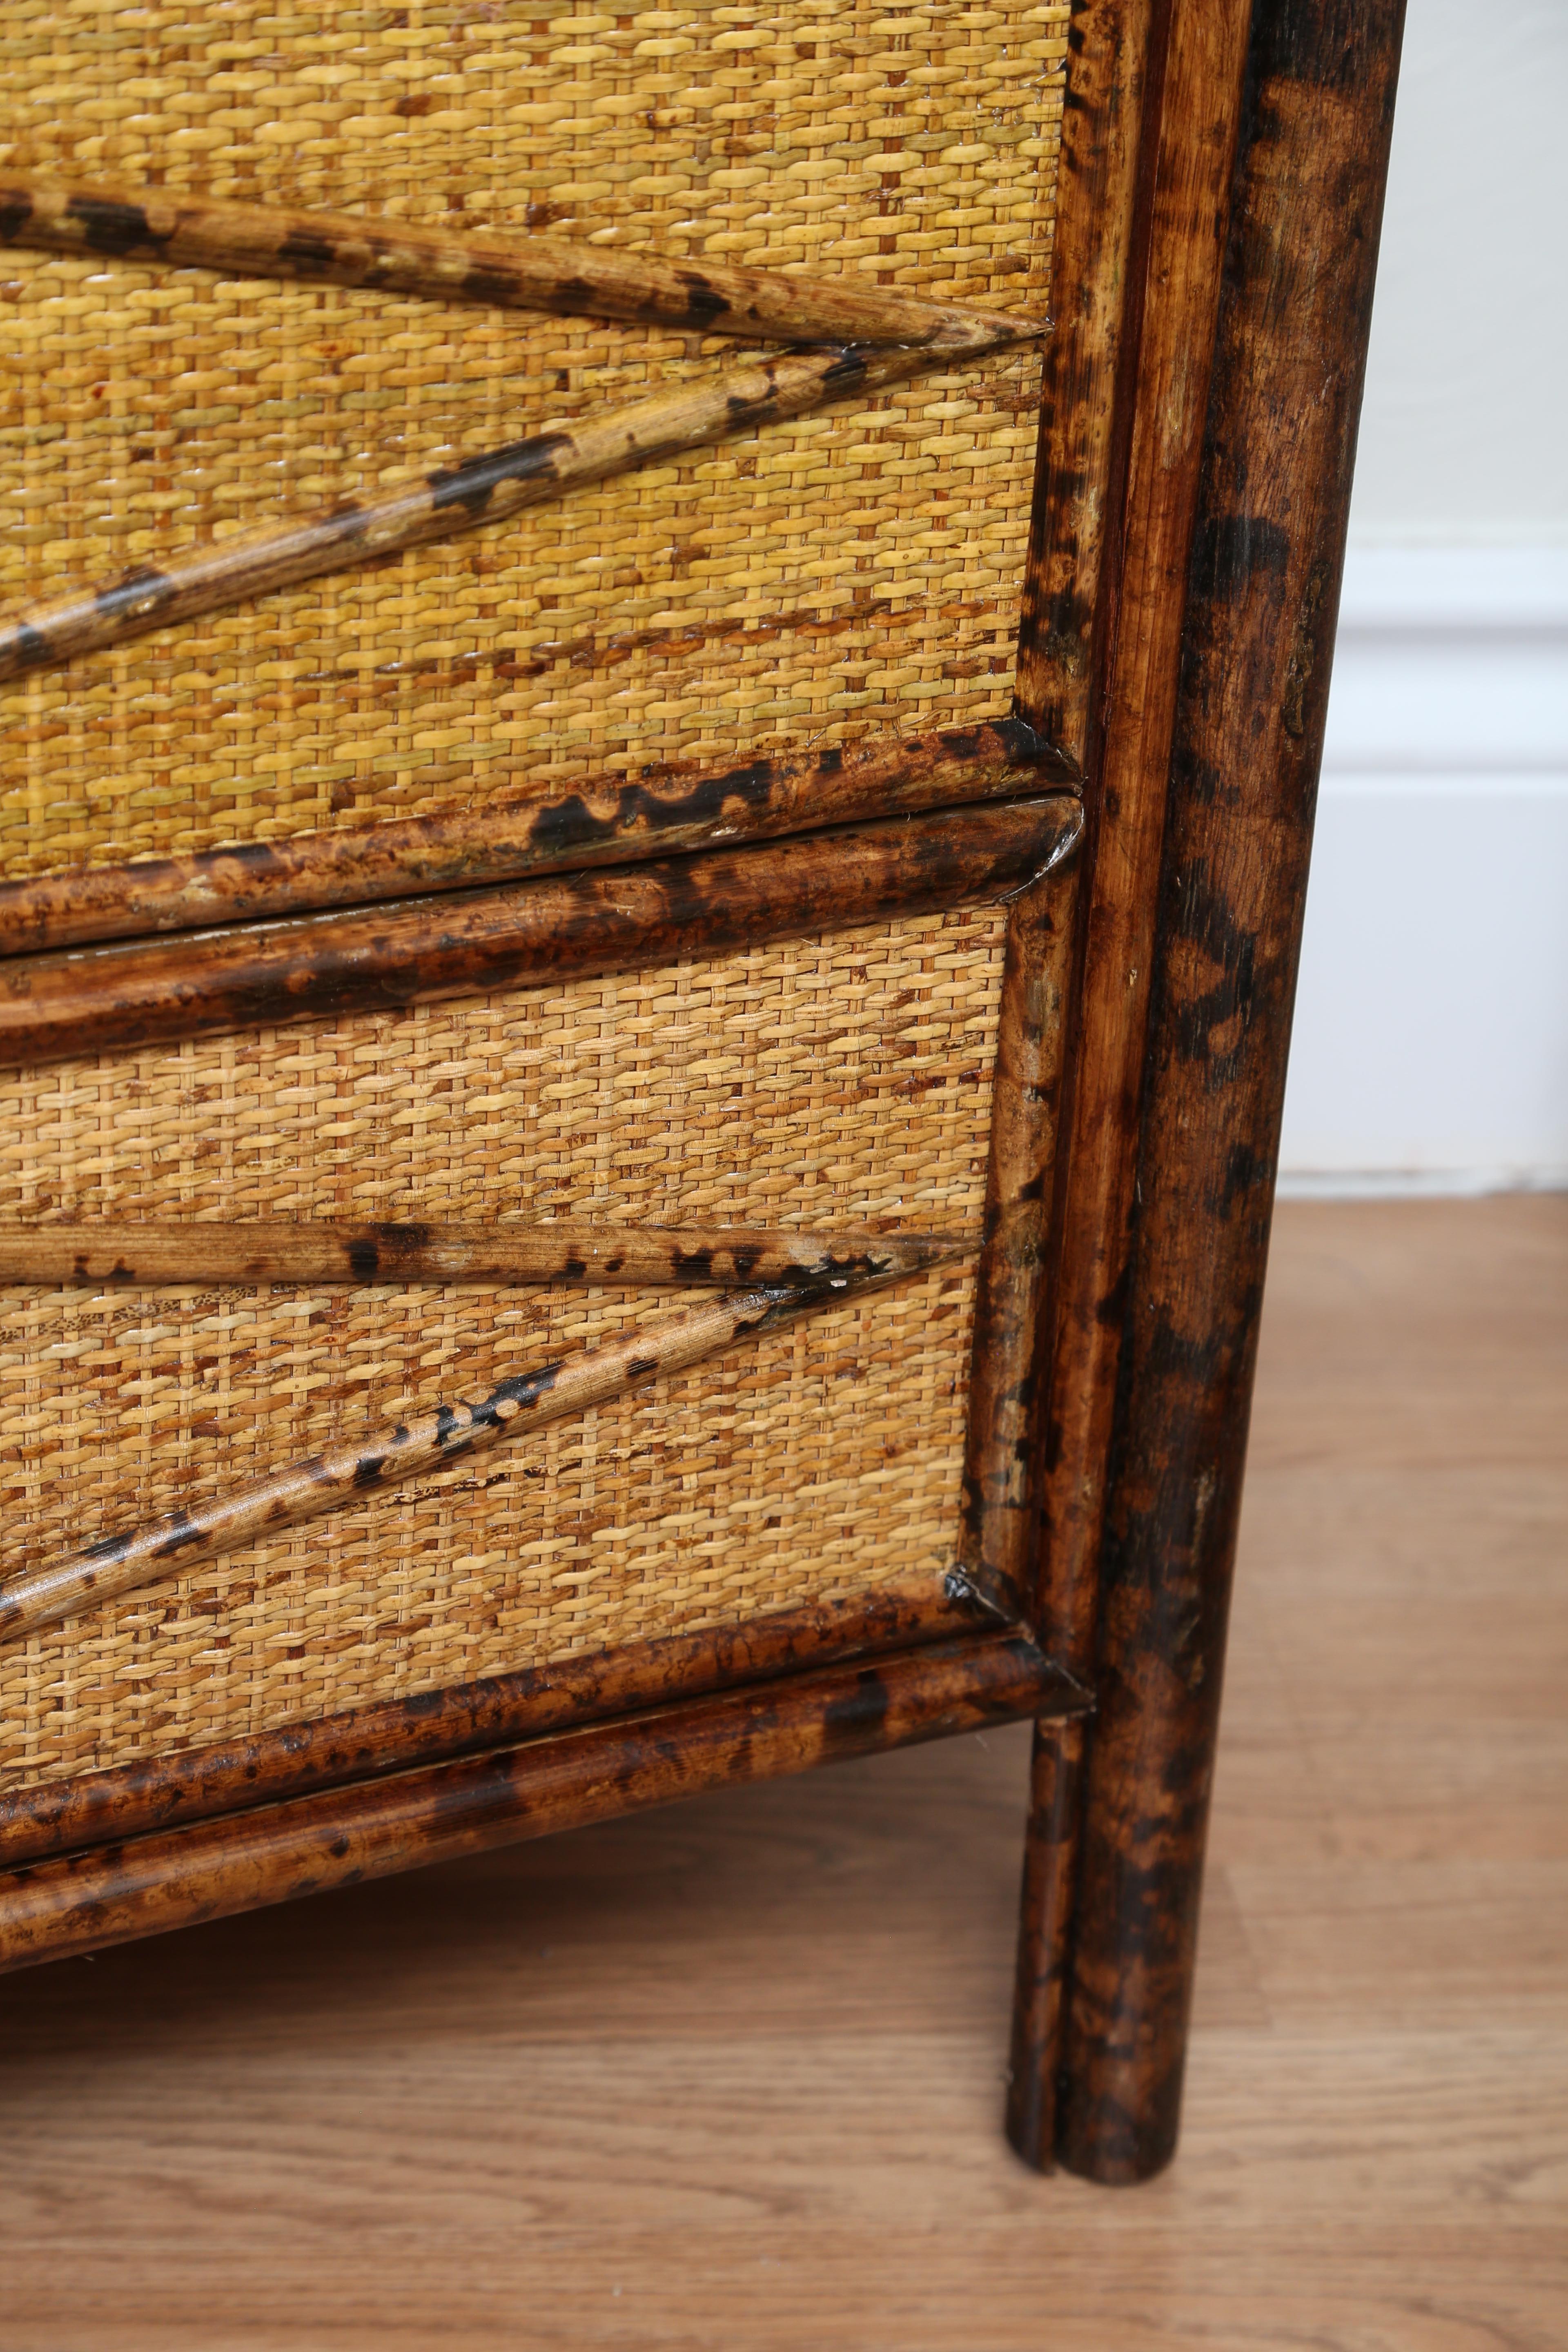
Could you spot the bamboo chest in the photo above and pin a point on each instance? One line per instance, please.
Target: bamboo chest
(662, 680)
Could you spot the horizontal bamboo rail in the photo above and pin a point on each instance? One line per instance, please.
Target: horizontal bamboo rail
(387, 1459)
(566, 276)
(104, 1253)
(419, 951)
(604, 820)
(217, 573)
(393, 1735)
(339, 1837)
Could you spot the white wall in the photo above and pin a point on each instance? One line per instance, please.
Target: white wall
(1462, 435)
(1431, 1047)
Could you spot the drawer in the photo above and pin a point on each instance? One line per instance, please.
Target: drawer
(819, 1083)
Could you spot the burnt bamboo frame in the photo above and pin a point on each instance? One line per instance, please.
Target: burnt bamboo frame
(431, 949)
(1222, 177)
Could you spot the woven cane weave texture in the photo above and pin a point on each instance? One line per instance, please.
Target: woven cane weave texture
(814, 1084)
(852, 570)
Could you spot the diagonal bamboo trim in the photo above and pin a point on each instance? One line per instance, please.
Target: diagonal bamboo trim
(566, 276)
(103, 1254)
(518, 934)
(605, 821)
(385, 1460)
(220, 572)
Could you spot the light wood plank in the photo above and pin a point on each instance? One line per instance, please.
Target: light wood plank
(731, 2076)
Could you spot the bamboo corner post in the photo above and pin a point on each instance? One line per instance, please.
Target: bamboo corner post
(1155, 234)
(1258, 633)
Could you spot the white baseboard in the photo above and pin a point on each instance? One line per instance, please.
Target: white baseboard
(1417, 1183)
(1431, 1044)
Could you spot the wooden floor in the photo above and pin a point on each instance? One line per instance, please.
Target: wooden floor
(730, 2076)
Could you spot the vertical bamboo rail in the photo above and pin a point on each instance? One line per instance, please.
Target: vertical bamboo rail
(1000, 1530)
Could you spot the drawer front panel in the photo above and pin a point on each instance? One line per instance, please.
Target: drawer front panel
(855, 568)
(815, 1084)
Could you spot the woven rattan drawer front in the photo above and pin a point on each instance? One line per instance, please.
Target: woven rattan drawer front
(854, 569)
(814, 1084)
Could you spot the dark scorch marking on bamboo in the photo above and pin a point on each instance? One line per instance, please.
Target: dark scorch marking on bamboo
(495, 286)
(474, 484)
(302, 249)
(184, 1530)
(118, 228)
(703, 298)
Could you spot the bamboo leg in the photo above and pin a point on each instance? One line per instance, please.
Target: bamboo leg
(1050, 1854)
(1085, 566)
(1257, 636)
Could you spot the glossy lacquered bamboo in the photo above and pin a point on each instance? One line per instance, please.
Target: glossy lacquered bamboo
(101, 1254)
(1257, 638)
(214, 574)
(999, 1548)
(605, 821)
(393, 1735)
(386, 1459)
(465, 943)
(141, 1887)
(1099, 270)
(566, 276)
